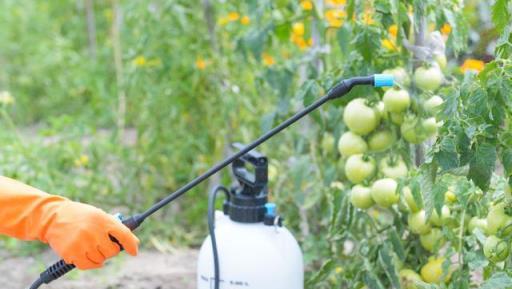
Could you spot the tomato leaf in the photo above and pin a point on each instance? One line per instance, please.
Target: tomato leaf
(500, 14)
(426, 180)
(476, 260)
(506, 160)
(322, 273)
(387, 262)
(369, 277)
(447, 156)
(482, 165)
(398, 247)
(343, 36)
(498, 280)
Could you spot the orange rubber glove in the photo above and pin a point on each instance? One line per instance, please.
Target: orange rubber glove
(79, 233)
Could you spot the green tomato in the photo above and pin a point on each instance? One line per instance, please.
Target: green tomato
(397, 118)
(384, 192)
(431, 240)
(359, 168)
(400, 75)
(418, 222)
(433, 104)
(351, 144)
(476, 222)
(361, 197)
(396, 100)
(381, 140)
(381, 110)
(495, 249)
(432, 272)
(394, 169)
(430, 126)
(360, 118)
(437, 220)
(410, 132)
(408, 279)
(498, 221)
(327, 143)
(409, 199)
(428, 78)
(450, 197)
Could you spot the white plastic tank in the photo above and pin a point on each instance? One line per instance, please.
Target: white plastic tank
(251, 256)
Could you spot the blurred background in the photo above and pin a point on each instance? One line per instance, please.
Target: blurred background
(118, 103)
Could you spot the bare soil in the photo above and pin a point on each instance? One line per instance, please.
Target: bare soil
(149, 270)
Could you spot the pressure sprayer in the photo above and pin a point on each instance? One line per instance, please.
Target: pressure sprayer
(247, 209)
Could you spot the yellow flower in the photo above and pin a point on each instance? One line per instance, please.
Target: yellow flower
(139, 61)
(393, 30)
(6, 98)
(334, 17)
(306, 5)
(245, 20)
(298, 29)
(368, 18)
(233, 16)
(389, 45)
(268, 60)
(446, 29)
(297, 36)
(338, 270)
(336, 2)
(201, 63)
(301, 42)
(82, 161)
(472, 65)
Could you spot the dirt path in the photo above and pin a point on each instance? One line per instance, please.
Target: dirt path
(149, 270)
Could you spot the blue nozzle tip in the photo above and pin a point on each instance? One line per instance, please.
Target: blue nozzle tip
(383, 80)
(271, 208)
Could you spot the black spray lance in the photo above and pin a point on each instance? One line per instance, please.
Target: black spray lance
(60, 268)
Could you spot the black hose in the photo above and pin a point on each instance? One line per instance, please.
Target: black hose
(211, 228)
(36, 284)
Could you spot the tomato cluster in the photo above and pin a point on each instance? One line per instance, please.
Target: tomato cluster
(379, 170)
(370, 160)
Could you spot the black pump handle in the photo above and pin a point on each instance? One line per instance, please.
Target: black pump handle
(260, 176)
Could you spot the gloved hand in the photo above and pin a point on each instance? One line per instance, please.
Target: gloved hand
(79, 233)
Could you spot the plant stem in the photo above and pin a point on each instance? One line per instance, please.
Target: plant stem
(121, 95)
(91, 27)
(420, 26)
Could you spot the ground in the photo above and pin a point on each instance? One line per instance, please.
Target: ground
(149, 270)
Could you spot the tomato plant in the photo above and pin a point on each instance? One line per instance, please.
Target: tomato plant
(422, 195)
